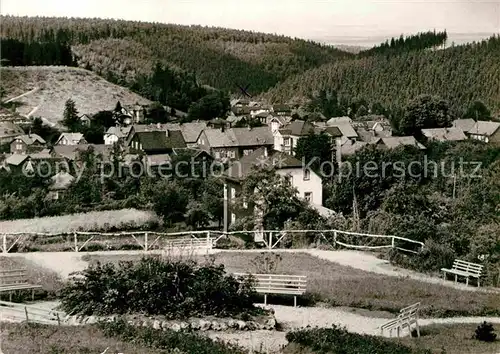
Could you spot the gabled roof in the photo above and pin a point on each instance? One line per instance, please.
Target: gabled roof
(30, 139)
(235, 137)
(281, 108)
(16, 159)
(350, 147)
(161, 140)
(395, 141)
(464, 124)
(297, 128)
(157, 160)
(283, 120)
(444, 134)
(345, 128)
(484, 128)
(9, 129)
(336, 120)
(61, 180)
(73, 137)
(240, 169)
(120, 132)
(332, 131)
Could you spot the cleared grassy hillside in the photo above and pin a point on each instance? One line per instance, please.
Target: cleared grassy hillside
(51, 86)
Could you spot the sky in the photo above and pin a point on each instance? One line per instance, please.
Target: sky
(313, 19)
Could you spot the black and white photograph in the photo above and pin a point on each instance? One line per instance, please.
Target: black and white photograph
(250, 177)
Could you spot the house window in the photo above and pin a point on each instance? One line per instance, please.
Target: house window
(307, 174)
(233, 193)
(245, 204)
(308, 196)
(289, 178)
(286, 141)
(231, 154)
(19, 146)
(217, 155)
(233, 218)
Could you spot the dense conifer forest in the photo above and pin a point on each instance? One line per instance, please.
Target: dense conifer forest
(177, 65)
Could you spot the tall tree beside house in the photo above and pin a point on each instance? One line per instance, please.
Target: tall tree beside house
(478, 111)
(423, 112)
(315, 149)
(275, 198)
(70, 116)
(211, 106)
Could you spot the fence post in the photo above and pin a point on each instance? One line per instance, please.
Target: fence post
(209, 242)
(392, 242)
(146, 242)
(335, 239)
(58, 319)
(75, 236)
(26, 312)
(4, 243)
(270, 240)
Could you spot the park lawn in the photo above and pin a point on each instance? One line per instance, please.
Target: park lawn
(43, 339)
(456, 338)
(338, 285)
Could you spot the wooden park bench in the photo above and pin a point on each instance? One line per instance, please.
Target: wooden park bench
(406, 318)
(278, 284)
(464, 269)
(14, 280)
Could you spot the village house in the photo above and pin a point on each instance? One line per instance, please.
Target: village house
(85, 120)
(277, 122)
(396, 141)
(464, 124)
(27, 143)
(282, 110)
(233, 143)
(190, 131)
(71, 139)
(71, 152)
(28, 161)
(9, 131)
(115, 134)
(156, 142)
(307, 182)
(286, 138)
(59, 184)
(489, 132)
(444, 134)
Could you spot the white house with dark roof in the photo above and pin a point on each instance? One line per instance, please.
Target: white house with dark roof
(234, 143)
(307, 182)
(444, 134)
(115, 134)
(71, 139)
(489, 132)
(286, 138)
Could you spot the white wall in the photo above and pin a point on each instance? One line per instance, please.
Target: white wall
(313, 185)
(110, 139)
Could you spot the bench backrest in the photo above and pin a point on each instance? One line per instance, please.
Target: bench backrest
(191, 243)
(409, 312)
(283, 283)
(468, 267)
(13, 277)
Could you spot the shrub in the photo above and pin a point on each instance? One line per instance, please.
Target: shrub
(173, 288)
(433, 257)
(485, 332)
(184, 342)
(337, 340)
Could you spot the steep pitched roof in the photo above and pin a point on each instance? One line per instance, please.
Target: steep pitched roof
(336, 120)
(16, 159)
(235, 137)
(30, 139)
(61, 180)
(161, 140)
(350, 148)
(332, 131)
(395, 141)
(73, 137)
(464, 124)
(484, 128)
(444, 134)
(120, 132)
(240, 169)
(345, 128)
(297, 128)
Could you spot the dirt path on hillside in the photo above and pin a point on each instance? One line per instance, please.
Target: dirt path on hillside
(22, 95)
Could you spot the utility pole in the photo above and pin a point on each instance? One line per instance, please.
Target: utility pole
(454, 185)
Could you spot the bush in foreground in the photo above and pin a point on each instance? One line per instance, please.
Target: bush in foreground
(172, 288)
(337, 340)
(179, 341)
(485, 332)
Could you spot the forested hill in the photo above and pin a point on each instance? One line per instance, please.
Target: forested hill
(120, 50)
(459, 74)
